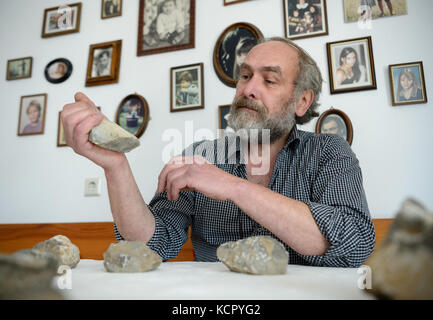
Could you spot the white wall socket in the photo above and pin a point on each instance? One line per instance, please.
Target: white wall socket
(92, 187)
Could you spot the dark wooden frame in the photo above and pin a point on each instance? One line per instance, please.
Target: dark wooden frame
(44, 112)
(113, 15)
(115, 64)
(421, 75)
(190, 44)
(77, 26)
(29, 75)
(173, 70)
(145, 115)
(341, 114)
(233, 2)
(65, 76)
(331, 61)
(229, 81)
(324, 32)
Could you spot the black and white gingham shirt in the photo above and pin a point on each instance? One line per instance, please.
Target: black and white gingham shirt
(317, 169)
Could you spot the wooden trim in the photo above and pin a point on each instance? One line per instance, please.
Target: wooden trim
(93, 238)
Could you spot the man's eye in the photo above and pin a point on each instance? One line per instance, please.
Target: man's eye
(244, 76)
(268, 81)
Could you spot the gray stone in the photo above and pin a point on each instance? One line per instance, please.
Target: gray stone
(130, 256)
(62, 248)
(111, 136)
(28, 275)
(402, 265)
(254, 255)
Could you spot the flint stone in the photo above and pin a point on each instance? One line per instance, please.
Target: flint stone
(111, 136)
(254, 255)
(402, 265)
(62, 248)
(130, 256)
(28, 275)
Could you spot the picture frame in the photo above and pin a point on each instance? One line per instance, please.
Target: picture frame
(20, 68)
(61, 20)
(31, 118)
(361, 11)
(155, 34)
(186, 87)
(58, 70)
(305, 20)
(111, 8)
(231, 49)
(334, 121)
(103, 63)
(223, 114)
(351, 65)
(229, 2)
(132, 114)
(407, 83)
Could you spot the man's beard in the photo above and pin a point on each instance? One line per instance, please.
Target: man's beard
(260, 122)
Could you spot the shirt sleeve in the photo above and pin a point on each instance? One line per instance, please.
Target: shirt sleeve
(339, 207)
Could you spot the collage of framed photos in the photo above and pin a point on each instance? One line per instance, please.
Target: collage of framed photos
(169, 25)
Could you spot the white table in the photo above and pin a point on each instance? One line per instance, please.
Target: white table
(211, 281)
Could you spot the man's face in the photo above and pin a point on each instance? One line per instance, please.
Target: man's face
(330, 127)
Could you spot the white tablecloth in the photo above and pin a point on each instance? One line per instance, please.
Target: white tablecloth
(211, 281)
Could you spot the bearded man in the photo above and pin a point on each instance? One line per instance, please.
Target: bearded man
(305, 190)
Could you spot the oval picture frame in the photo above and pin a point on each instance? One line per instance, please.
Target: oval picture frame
(335, 120)
(132, 114)
(54, 75)
(236, 38)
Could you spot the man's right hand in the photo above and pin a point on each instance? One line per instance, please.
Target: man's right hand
(78, 119)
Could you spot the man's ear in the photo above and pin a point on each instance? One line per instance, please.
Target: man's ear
(304, 102)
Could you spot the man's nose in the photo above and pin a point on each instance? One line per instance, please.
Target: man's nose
(251, 88)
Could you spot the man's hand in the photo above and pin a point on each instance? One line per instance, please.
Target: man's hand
(78, 119)
(196, 173)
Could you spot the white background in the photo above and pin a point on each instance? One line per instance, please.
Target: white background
(41, 182)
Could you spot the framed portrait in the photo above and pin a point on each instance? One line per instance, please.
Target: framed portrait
(229, 2)
(133, 114)
(231, 49)
(61, 20)
(104, 63)
(335, 121)
(58, 70)
(20, 68)
(367, 10)
(407, 83)
(111, 8)
(223, 116)
(186, 88)
(31, 118)
(165, 25)
(351, 65)
(309, 19)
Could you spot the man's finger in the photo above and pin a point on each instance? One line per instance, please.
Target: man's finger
(81, 97)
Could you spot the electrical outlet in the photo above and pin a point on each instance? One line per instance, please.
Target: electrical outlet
(92, 187)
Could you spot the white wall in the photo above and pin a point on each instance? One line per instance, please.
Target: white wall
(43, 183)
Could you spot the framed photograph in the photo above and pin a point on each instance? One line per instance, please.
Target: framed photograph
(58, 70)
(111, 8)
(133, 114)
(104, 63)
(186, 88)
(304, 20)
(32, 114)
(367, 10)
(407, 83)
(335, 121)
(231, 49)
(19, 68)
(165, 25)
(351, 65)
(228, 2)
(61, 20)
(223, 116)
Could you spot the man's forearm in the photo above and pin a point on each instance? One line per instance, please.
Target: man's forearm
(289, 219)
(133, 218)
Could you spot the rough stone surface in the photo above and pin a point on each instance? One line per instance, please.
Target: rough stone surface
(28, 275)
(130, 256)
(254, 255)
(402, 265)
(62, 248)
(111, 136)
